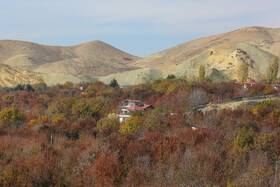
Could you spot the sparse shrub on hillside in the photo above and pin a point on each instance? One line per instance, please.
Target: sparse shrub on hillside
(170, 76)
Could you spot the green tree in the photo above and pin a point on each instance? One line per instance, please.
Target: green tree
(29, 88)
(272, 71)
(201, 73)
(170, 76)
(114, 83)
(242, 72)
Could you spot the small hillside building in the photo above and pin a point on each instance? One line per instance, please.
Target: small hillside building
(128, 106)
(249, 84)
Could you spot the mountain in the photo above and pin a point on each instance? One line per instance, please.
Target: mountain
(11, 77)
(220, 54)
(257, 46)
(91, 59)
(266, 39)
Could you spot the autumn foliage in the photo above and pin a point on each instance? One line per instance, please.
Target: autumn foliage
(63, 136)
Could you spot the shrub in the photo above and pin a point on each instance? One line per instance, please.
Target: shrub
(58, 117)
(13, 115)
(8, 98)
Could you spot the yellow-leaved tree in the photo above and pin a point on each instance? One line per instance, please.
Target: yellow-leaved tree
(272, 71)
(242, 72)
(13, 115)
(201, 73)
(132, 124)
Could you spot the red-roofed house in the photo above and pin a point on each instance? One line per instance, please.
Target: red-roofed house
(246, 84)
(128, 106)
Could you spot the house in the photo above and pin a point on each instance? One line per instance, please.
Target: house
(247, 84)
(128, 106)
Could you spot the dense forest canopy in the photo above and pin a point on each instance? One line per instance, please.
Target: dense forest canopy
(62, 136)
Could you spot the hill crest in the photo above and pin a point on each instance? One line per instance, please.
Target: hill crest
(94, 58)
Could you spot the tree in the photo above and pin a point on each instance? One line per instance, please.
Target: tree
(29, 88)
(13, 115)
(170, 76)
(108, 125)
(272, 71)
(197, 97)
(107, 170)
(114, 83)
(201, 73)
(132, 124)
(242, 72)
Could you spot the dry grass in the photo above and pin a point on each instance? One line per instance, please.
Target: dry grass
(224, 52)
(89, 59)
(12, 77)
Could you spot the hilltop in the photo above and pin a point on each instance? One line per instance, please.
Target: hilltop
(266, 39)
(257, 46)
(221, 54)
(92, 59)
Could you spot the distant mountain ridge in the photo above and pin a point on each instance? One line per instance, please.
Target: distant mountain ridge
(256, 46)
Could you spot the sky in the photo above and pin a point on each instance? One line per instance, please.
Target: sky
(141, 28)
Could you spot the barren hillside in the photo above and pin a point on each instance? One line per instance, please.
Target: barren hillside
(92, 59)
(12, 77)
(266, 39)
(221, 54)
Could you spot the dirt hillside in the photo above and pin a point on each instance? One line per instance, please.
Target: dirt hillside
(92, 59)
(266, 39)
(221, 53)
(11, 77)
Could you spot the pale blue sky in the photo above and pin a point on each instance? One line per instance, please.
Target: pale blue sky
(137, 27)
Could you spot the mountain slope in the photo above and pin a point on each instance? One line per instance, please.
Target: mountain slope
(266, 39)
(11, 77)
(226, 58)
(221, 53)
(94, 58)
